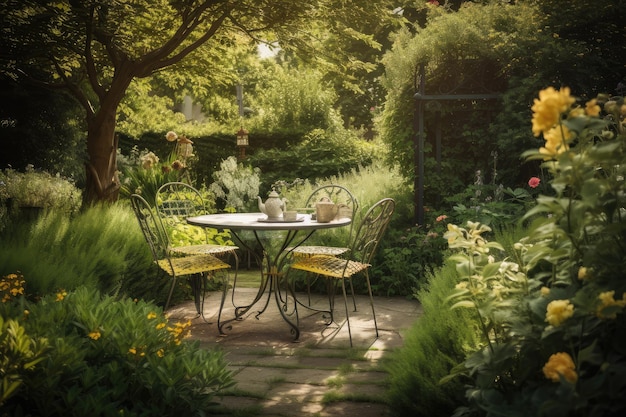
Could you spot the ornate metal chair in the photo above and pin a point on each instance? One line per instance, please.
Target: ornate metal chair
(177, 264)
(347, 207)
(362, 250)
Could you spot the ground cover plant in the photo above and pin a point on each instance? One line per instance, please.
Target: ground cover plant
(80, 353)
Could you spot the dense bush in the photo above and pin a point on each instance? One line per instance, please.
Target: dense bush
(79, 354)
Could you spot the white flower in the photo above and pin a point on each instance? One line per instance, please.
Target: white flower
(171, 136)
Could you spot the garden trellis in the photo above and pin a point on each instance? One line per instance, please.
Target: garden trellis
(418, 140)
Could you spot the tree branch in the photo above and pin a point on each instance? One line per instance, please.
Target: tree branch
(92, 73)
(160, 58)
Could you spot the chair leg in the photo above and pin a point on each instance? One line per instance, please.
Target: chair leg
(345, 300)
(225, 280)
(352, 290)
(369, 290)
(169, 296)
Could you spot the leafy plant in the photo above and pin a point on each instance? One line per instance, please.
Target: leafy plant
(432, 346)
(102, 248)
(144, 173)
(553, 321)
(236, 184)
(112, 357)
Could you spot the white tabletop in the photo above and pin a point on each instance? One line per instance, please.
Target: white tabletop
(258, 221)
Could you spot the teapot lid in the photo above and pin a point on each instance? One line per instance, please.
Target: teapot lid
(273, 194)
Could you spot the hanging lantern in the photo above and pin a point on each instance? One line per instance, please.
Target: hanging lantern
(242, 142)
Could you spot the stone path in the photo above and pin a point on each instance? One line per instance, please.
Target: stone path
(319, 375)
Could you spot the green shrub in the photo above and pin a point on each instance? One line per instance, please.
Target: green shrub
(110, 357)
(432, 346)
(33, 188)
(409, 256)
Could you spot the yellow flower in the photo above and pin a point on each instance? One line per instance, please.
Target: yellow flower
(132, 350)
(548, 108)
(558, 311)
(557, 140)
(95, 335)
(453, 233)
(545, 291)
(584, 273)
(160, 326)
(151, 315)
(592, 109)
(607, 300)
(560, 365)
(61, 295)
(160, 353)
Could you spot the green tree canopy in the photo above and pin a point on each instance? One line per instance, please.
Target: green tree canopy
(95, 49)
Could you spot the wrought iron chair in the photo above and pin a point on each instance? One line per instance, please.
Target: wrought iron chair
(348, 206)
(362, 250)
(178, 264)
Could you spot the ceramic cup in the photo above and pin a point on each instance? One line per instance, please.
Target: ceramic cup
(290, 216)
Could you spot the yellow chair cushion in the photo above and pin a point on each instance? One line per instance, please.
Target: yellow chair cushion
(330, 266)
(193, 264)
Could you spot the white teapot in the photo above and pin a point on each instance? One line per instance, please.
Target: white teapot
(273, 206)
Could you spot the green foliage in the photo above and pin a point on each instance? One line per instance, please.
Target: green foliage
(33, 188)
(112, 357)
(552, 316)
(101, 247)
(296, 98)
(43, 128)
(321, 154)
(409, 257)
(484, 47)
(432, 346)
(19, 354)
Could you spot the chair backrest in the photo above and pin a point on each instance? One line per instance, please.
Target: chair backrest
(338, 195)
(151, 227)
(174, 202)
(179, 199)
(371, 230)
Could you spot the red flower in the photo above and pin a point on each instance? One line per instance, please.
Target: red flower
(534, 182)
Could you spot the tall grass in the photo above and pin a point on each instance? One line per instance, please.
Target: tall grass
(438, 340)
(367, 184)
(100, 248)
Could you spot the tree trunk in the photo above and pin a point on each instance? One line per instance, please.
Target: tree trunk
(102, 182)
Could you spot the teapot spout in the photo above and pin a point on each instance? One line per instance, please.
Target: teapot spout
(261, 205)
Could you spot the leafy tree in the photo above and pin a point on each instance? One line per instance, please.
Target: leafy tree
(95, 49)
